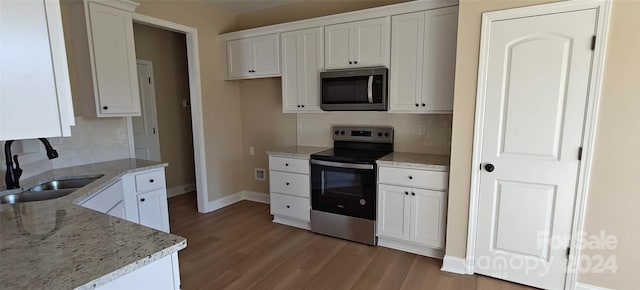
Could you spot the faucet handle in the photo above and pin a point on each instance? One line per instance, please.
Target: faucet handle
(17, 171)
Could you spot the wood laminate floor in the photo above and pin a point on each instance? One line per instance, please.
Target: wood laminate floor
(238, 247)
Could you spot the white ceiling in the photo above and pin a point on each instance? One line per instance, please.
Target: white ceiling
(244, 6)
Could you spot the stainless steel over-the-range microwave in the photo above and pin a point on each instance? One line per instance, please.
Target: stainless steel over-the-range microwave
(363, 89)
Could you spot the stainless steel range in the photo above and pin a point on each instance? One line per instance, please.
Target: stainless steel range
(343, 183)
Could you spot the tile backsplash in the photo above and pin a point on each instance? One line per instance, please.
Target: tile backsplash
(418, 133)
(92, 140)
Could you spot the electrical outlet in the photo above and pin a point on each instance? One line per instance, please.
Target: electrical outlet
(252, 151)
(260, 174)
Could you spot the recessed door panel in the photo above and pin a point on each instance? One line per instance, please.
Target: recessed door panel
(524, 213)
(535, 83)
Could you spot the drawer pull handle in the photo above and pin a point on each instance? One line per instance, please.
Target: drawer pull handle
(151, 180)
(142, 199)
(287, 183)
(410, 177)
(288, 206)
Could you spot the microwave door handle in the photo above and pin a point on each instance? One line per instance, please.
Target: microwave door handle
(370, 90)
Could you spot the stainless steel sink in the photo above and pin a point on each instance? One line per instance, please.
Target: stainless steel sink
(49, 190)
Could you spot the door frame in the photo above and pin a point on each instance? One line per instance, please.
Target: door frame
(591, 116)
(195, 92)
(149, 65)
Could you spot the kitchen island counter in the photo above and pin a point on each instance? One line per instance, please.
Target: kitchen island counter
(57, 244)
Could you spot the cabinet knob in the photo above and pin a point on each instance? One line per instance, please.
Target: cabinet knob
(351, 62)
(298, 106)
(410, 177)
(288, 206)
(287, 183)
(423, 104)
(302, 106)
(355, 62)
(151, 180)
(417, 105)
(105, 108)
(413, 193)
(142, 199)
(406, 193)
(286, 164)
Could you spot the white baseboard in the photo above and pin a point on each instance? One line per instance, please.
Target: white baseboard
(182, 189)
(583, 286)
(236, 197)
(256, 196)
(453, 264)
(411, 248)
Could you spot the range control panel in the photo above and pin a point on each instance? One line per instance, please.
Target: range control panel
(363, 134)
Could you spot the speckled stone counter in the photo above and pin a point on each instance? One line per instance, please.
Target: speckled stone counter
(56, 244)
(303, 152)
(416, 160)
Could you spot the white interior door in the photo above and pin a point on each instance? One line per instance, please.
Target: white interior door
(145, 127)
(536, 88)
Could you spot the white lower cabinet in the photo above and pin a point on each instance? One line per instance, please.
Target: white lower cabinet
(153, 210)
(409, 218)
(141, 198)
(289, 187)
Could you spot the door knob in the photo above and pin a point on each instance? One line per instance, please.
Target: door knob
(489, 167)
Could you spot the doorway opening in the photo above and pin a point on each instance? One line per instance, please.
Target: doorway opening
(177, 117)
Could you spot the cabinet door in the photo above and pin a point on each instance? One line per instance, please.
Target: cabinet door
(302, 62)
(290, 76)
(265, 55)
(239, 58)
(338, 41)
(440, 36)
(310, 52)
(405, 80)
(393, 211)
(371, 43)
(428, 213)
(115, 73)
(153, 210)
(35, 98)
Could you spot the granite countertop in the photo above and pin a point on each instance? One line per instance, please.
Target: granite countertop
(416, 160)
(56, 244)
(297, 151)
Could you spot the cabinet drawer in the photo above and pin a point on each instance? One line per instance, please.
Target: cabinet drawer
(437, 180)
(289, 165)
(150, 181)
(290, 206)
(290, 183)
(106, 199)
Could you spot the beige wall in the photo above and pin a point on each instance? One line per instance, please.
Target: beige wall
(413, 133)
(264, 125)
(614, 191)
(305, 10)
(220, 99)
(167, 51)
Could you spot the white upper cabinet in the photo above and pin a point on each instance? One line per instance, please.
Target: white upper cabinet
(105, 79)
(35, 93)
(254, 57)
(302, 62)
(357, 44)
(423, 52)
(115, 72)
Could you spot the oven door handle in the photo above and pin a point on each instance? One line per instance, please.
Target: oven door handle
(370, 90)
(343, 165)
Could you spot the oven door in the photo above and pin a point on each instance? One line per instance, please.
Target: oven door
(344, 188)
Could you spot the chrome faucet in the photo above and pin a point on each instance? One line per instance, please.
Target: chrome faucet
(13, 174)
